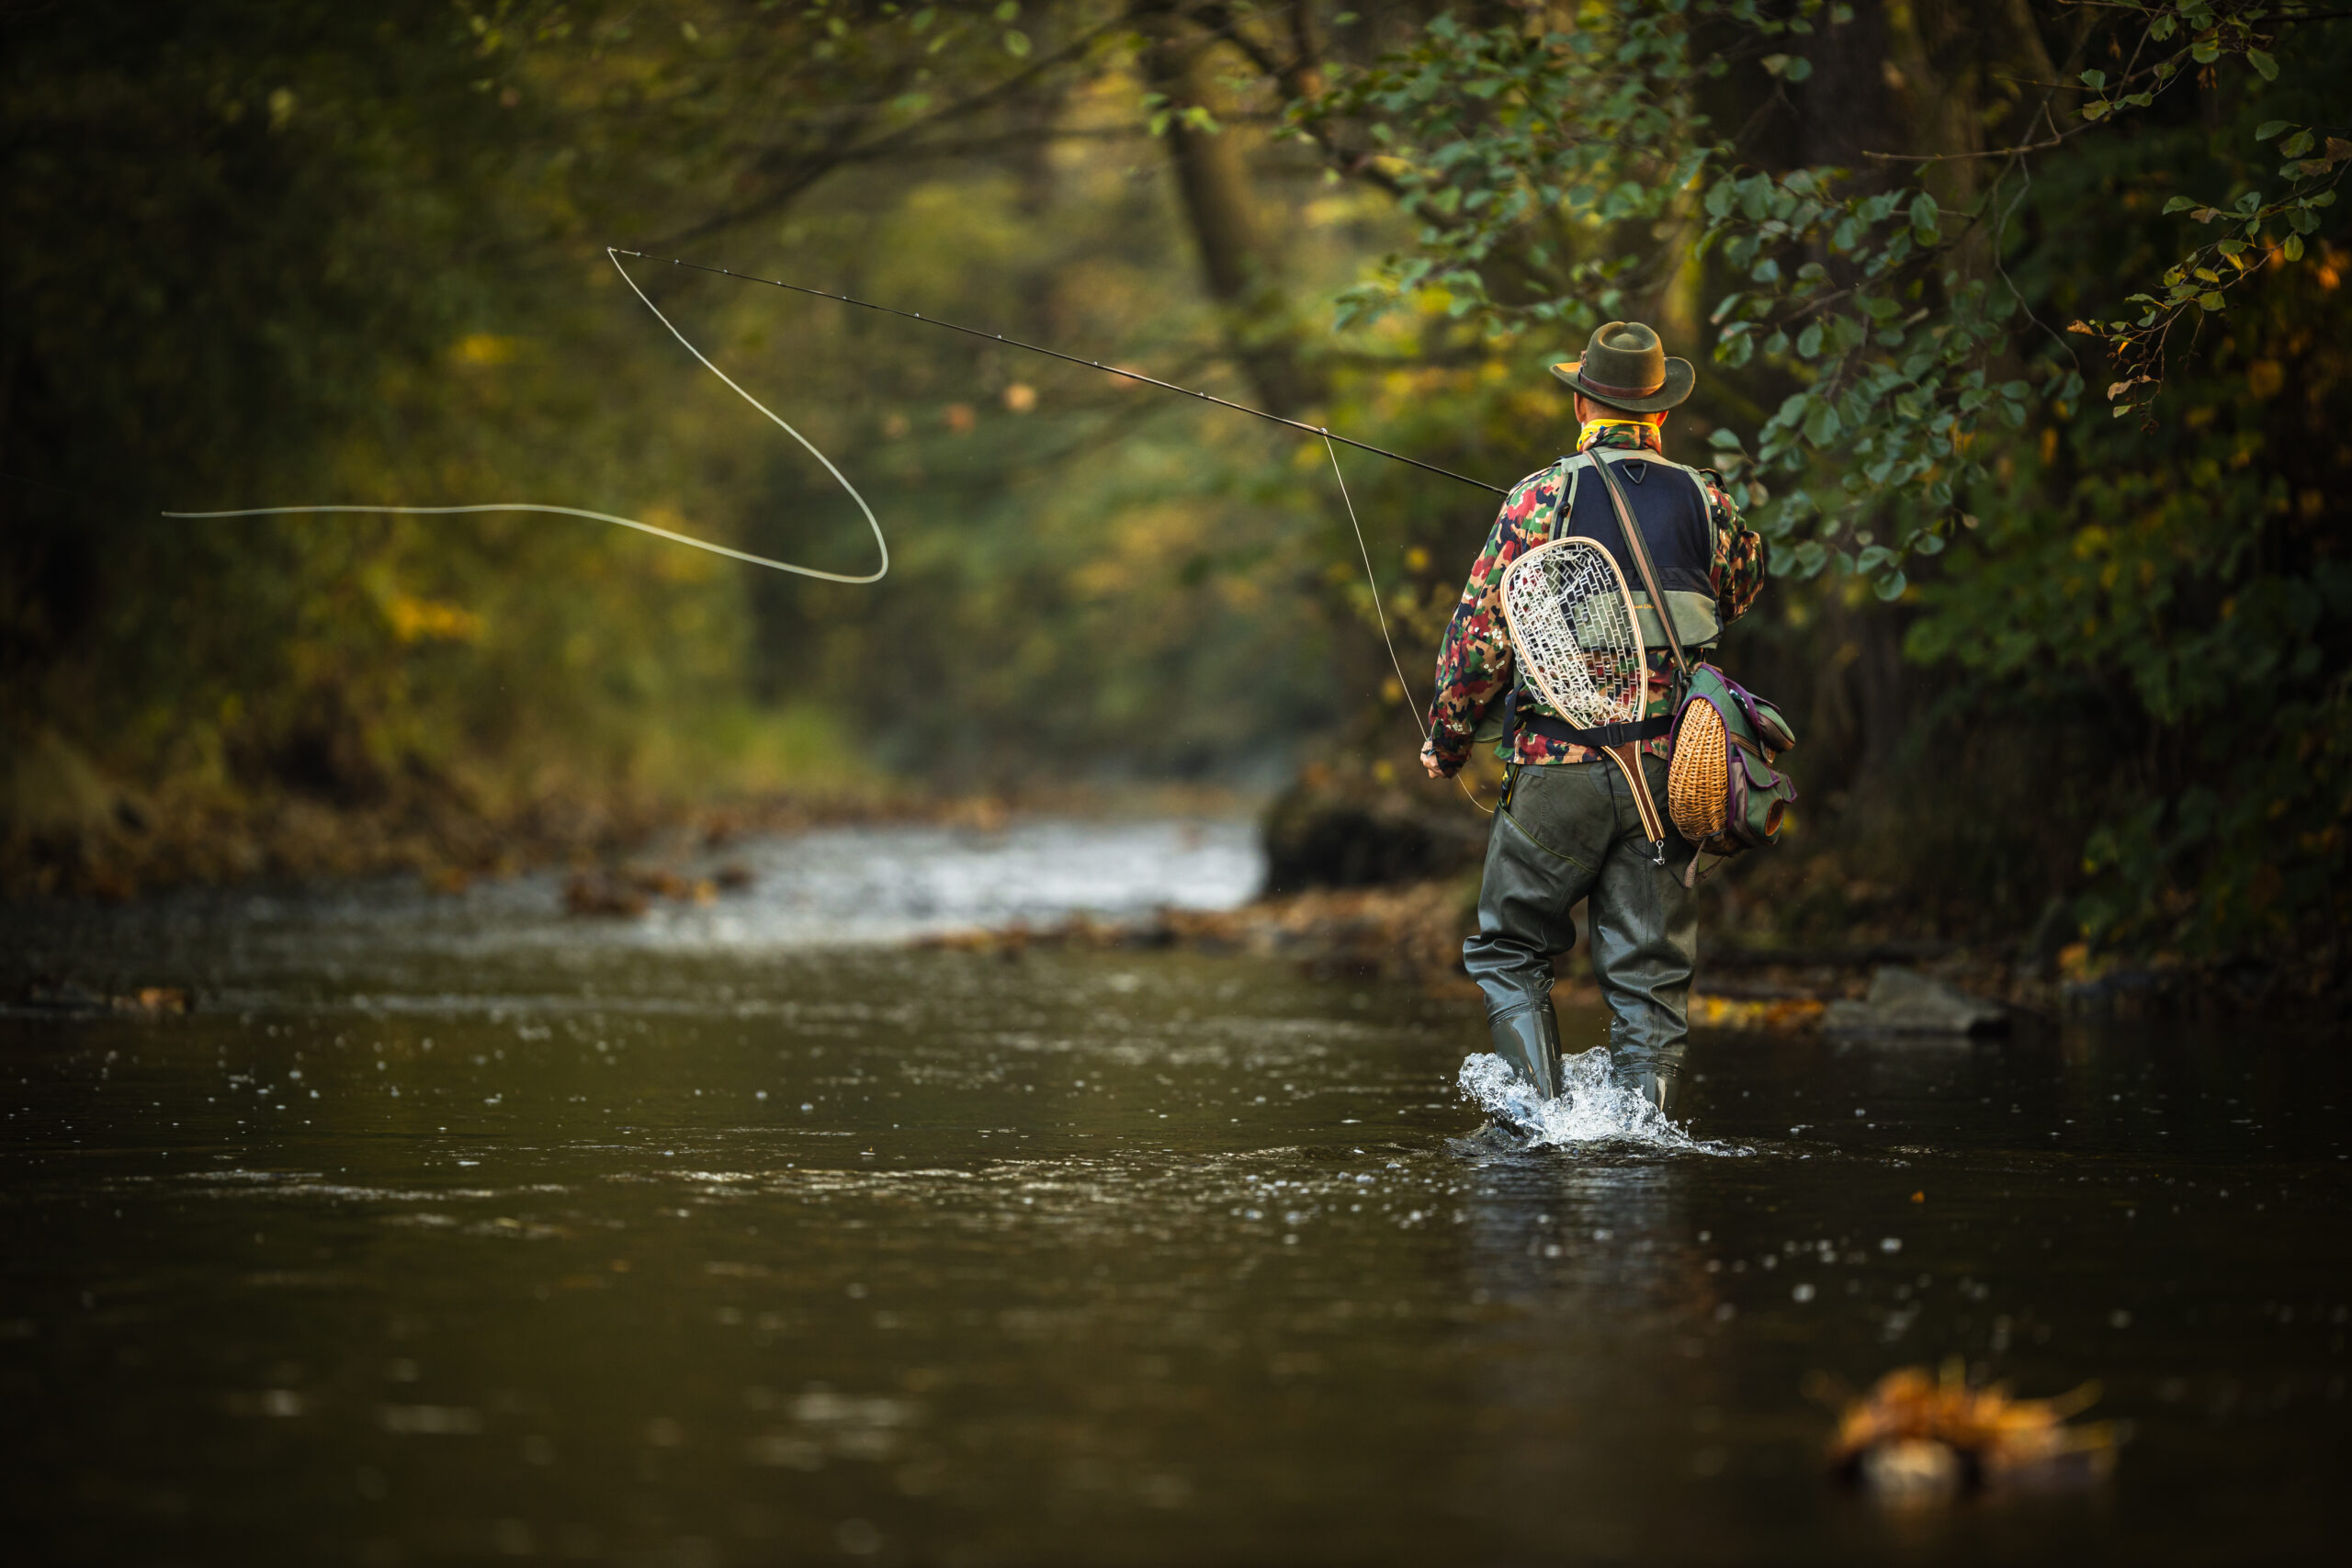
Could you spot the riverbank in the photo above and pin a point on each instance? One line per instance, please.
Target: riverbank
(1414, 932)
(1785, 941)
(70, 831)
(134, 846)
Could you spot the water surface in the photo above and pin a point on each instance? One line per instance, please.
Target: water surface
(451, 1229)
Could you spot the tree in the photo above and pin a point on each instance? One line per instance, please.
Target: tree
(1896, 320)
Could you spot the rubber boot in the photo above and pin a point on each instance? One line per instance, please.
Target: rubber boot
(1657, 1083)
(1528, 1037)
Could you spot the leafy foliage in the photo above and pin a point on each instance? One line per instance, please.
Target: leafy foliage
(1891, 323)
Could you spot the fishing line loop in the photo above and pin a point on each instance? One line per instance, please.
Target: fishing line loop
(614, 255)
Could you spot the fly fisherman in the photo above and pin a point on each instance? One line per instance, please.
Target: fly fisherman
(1568, 828)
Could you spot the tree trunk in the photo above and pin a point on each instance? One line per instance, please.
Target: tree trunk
(1242, 270)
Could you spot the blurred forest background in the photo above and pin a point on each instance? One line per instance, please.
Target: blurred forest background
(2021, 327)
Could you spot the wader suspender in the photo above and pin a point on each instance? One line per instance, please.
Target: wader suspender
(1631, 750)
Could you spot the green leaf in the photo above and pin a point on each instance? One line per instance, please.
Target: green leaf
(1891, 586)
(2178, 204)
(2270, 128)
(1923, 212)
(2295, 146)
(1809, 341)
(2293, 249)
(2210, 300)
(2094, 79)
(1724, 438)
(2262, 61)
(1822, 426)
(2205, 51)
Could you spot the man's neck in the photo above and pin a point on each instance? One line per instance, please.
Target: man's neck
(1631, 434)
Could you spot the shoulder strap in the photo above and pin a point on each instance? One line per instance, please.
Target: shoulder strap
(1706, 501)
(1641, 553)
(1565, 512)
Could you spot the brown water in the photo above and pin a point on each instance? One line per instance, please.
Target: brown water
(451, 1230)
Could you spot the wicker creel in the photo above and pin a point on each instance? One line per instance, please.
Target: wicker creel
(1698, 785)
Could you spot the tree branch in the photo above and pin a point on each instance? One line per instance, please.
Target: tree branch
(816, 167)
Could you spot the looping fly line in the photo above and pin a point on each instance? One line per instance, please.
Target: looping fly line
(881, 545)
(612, 255)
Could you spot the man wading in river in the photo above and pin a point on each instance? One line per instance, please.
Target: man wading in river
(1568, 828)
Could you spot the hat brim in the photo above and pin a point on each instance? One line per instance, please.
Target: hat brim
(1679, 378)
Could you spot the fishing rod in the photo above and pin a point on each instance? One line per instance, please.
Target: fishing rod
(986, 336)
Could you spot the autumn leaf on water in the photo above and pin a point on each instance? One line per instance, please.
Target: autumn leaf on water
(1925, 1437)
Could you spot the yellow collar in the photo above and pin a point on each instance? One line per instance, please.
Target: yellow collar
(1593, 427)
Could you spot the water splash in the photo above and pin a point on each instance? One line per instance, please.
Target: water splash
(1591, 1107)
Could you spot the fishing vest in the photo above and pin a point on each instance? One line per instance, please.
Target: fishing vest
(1669, 501)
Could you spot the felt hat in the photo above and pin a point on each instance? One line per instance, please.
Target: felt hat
(1626, 366)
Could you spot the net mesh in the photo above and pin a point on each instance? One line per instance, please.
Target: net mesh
(1572, 625)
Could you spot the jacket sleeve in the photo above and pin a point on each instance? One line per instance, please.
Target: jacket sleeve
(1474, 661)
(1741, 553)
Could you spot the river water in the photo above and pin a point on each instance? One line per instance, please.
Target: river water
(447, 1229)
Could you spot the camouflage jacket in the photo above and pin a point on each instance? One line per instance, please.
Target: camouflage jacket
(1475, 665)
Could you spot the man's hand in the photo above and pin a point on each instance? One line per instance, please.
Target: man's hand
(1431, 763)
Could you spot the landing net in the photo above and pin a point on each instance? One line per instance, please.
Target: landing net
(1572, 624)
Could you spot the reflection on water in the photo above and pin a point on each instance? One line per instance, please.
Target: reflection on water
(450, 1230)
